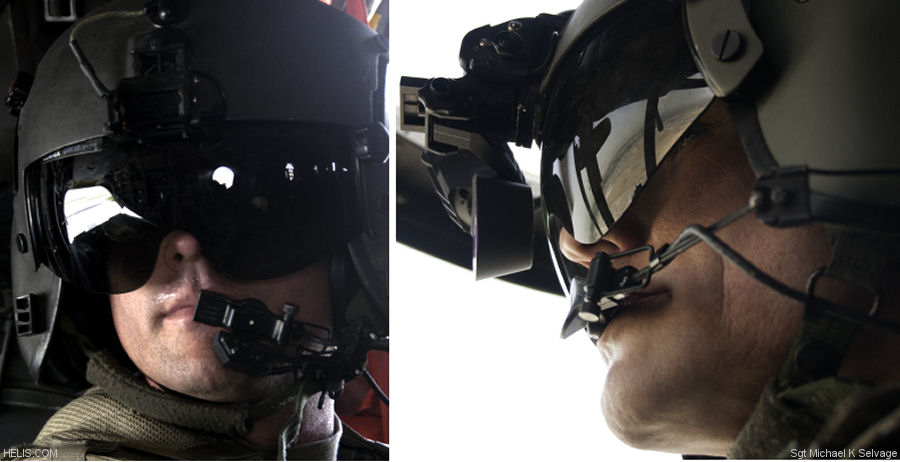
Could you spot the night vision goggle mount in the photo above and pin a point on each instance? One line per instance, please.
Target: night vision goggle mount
(166, 96)
(260, 343)
(467, 123)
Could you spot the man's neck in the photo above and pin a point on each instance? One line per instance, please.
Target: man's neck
(317, 424)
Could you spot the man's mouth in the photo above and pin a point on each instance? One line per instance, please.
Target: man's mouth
(183, 311)
(644, 299)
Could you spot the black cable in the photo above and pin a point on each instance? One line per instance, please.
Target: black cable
(684, 242)
(814, 171)
(83, 63)
(696, 233)
(378, 392)
(724, 250)
(88, 71)
(826, 306)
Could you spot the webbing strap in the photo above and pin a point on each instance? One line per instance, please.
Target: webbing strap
(291, 428)
(859, 259)
(817, 351)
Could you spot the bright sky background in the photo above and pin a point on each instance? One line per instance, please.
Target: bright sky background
(478, 371)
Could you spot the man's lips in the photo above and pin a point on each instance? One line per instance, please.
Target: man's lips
(181, 311)
(653, 298)
(182, 315)
(650, 299)
(182, 306)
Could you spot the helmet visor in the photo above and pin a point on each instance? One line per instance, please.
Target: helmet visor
(618, 103)
(263, 200)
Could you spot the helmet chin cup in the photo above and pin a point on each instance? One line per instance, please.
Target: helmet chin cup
(503, 229)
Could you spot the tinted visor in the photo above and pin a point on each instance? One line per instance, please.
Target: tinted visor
(619, 102)
(263, 200)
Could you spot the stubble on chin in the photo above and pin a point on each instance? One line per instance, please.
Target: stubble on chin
(204, 377)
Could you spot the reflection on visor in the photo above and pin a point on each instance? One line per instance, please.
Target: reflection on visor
(600, 186)
(617, 103)
(88, 208)
(224, 175)
(263, 201)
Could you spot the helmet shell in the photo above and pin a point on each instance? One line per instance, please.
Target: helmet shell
(298, 60)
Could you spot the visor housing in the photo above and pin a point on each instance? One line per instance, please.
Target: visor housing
(263, 200)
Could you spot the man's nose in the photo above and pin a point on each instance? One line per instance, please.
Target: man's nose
(617, 240)
(583, 253)
(178, 248)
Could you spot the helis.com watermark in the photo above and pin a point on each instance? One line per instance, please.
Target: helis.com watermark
(847, 453)
(31, 453)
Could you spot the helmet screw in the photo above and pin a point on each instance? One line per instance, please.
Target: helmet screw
(166, 13)
(514, 26)
(757, 199)
(779, 195)
(726, 45)
(485, 43)
(21, 243)
(589, 313)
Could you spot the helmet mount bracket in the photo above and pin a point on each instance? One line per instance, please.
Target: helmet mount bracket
(469, 120)
(164, 97)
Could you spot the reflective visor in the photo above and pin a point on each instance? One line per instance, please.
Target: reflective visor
(263, 200)
(618, 103)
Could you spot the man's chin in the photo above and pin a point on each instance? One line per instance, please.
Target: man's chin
(629, 410)
(633, 427)
(215, 384)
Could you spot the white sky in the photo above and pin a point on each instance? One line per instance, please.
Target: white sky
(478, 371)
